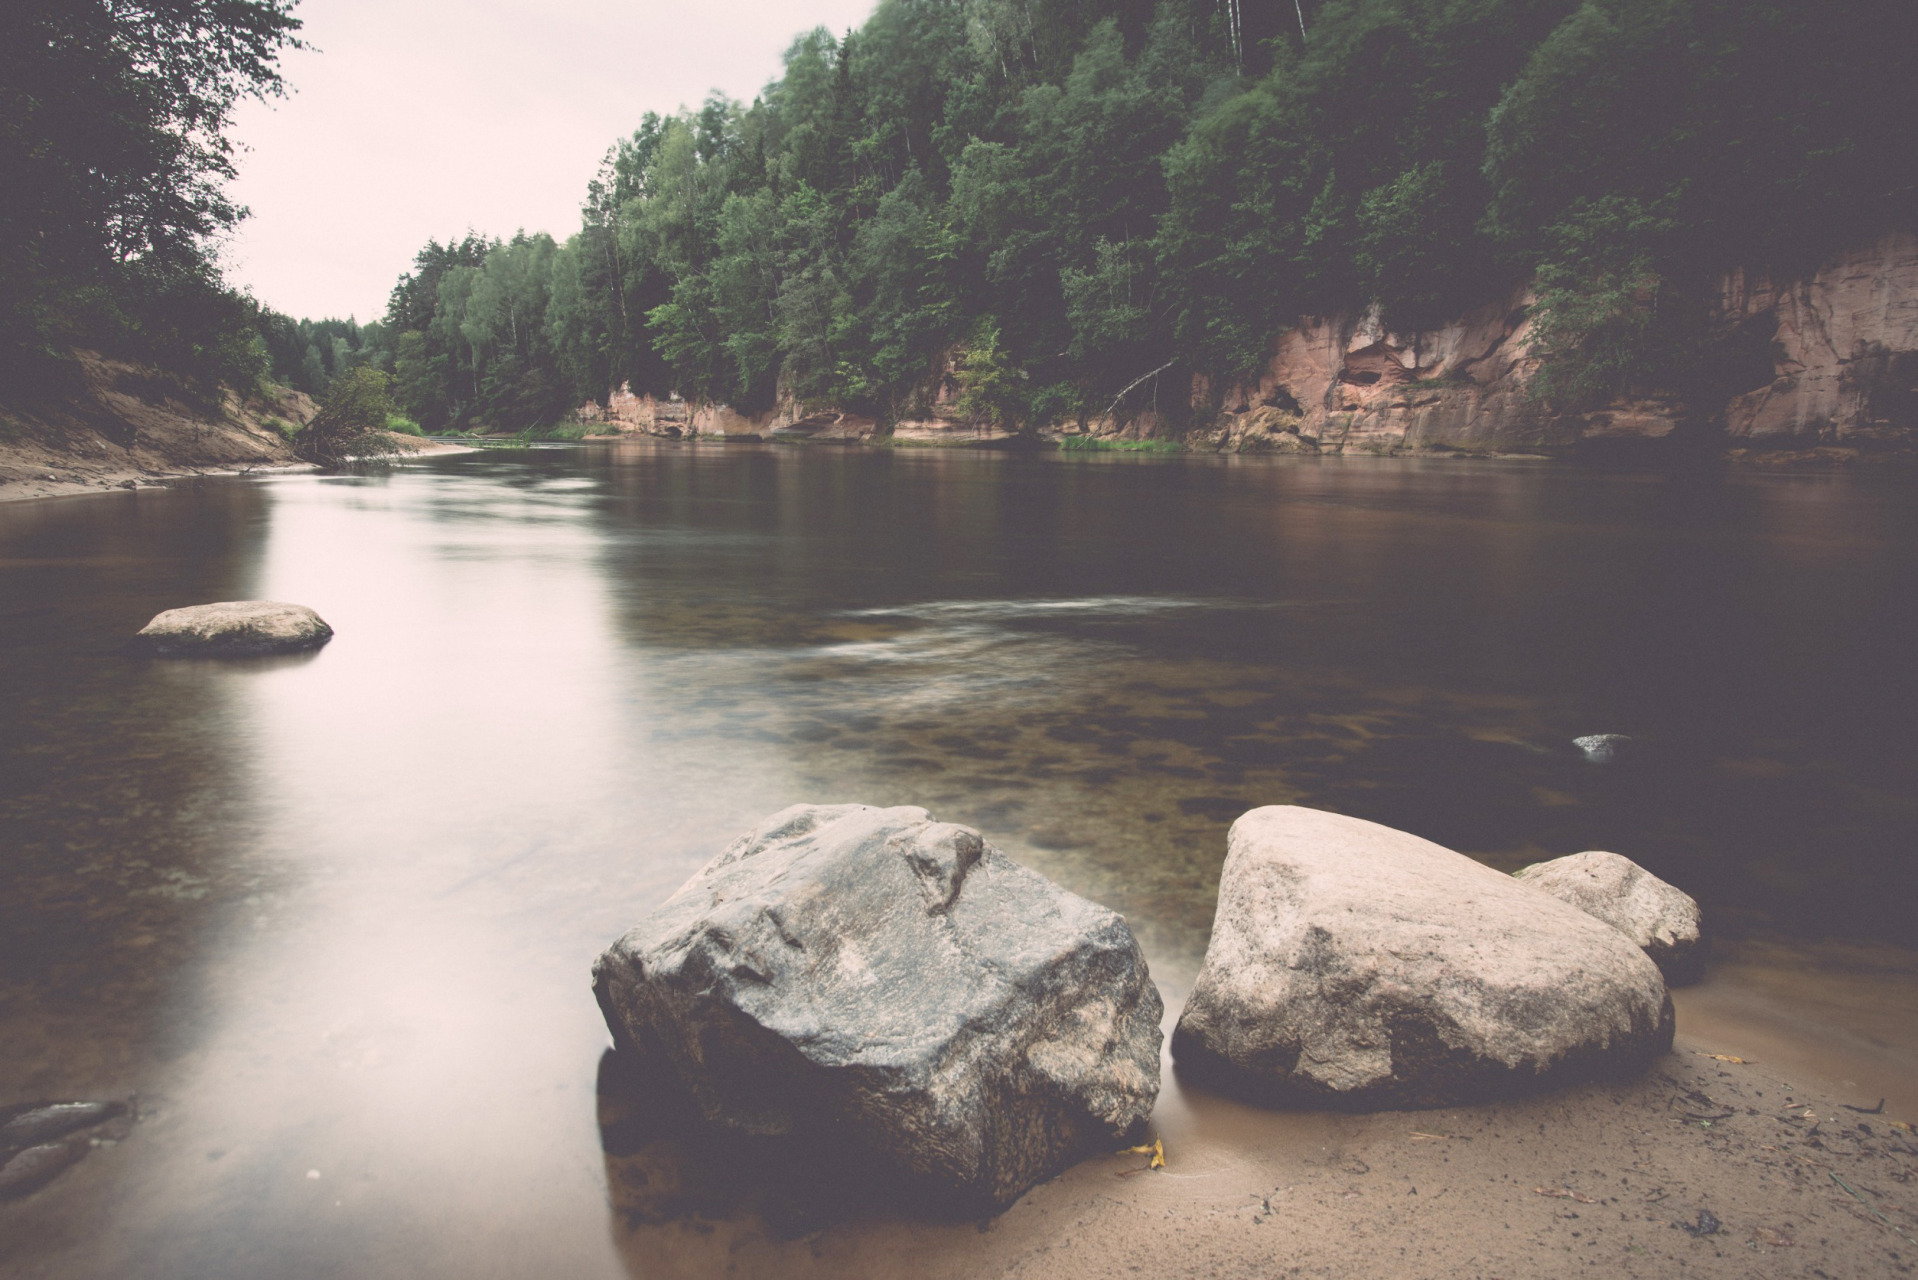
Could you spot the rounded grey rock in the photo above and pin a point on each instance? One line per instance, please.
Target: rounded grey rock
(235, 627)
(875, 978)
(1660, 919)
(1355, 966)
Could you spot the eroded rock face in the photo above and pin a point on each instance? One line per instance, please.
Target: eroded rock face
(234, 627)
(1844, 349)
(1661, 920)
(1352, 965)
(898, 983)
(1828, 359)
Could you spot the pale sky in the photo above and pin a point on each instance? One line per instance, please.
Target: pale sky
(415, 119)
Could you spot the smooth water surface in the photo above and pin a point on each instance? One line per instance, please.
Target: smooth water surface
(330, 918)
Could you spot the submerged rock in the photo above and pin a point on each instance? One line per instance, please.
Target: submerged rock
(43, 1122)
(1660, 919)
(1601, 748)
(1352, 965)
(27, 1171)
(877, 978)
(234, 627)
(35, 1141)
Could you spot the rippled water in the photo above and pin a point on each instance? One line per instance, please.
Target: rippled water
(330, 918)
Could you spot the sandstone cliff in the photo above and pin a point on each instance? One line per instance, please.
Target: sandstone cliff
(1845, 351)
(676, 419)
(1840, 379)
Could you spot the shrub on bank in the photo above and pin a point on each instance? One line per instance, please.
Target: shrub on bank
(353, 425)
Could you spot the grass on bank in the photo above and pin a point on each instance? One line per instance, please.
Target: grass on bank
(1098, 444)
(557, 431)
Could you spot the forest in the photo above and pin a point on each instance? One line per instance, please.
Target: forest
(1048, 199)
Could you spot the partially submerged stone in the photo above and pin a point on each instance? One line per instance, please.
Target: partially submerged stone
(878, 978)
(1660, 919)
(234, 627)
(40, 1140)
(24, 1172)
(36, 1123)
(1355, 966)
(1602, 748)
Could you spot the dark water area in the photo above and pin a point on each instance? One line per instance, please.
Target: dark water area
(328, 919)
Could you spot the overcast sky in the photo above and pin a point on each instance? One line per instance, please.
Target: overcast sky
(415, 119)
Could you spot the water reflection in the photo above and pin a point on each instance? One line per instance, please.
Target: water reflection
(334, 916)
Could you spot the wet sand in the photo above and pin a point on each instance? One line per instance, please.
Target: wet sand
(1621, 1180)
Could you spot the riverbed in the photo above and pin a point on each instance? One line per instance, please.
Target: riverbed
(328, 919)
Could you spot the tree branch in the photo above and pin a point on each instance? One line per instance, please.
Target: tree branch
(1136, 381)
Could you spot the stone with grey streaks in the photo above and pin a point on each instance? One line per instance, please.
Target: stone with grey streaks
(875, 977)
(1355, 966)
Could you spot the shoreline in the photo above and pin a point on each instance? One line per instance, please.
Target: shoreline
(73, 476)
(1710, 1164)
(1818, 458)
(86, 477)
(1775, 1140)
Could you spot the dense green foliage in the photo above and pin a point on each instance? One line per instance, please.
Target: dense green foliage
(1037, 209)
(353, 423)
(307, 355)
(112, 157)
(1040, 201)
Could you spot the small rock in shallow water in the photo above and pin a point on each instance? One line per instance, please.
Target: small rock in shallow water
(1601, 748)
(235, 627)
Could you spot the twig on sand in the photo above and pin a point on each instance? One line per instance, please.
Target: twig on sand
(1562, 1193)
(1878, 1110)
(1869, 1206)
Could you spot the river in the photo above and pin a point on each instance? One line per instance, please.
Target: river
(329, 919)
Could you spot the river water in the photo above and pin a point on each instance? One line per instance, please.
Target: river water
(329, 919)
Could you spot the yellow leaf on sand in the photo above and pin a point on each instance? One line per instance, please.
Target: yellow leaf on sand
(1723, 1057)
(1156, 1151)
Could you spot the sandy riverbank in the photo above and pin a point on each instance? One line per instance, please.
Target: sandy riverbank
(121, 426)
(45, 475)
(1707, 1166)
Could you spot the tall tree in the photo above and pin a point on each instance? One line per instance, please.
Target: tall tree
(112, 119)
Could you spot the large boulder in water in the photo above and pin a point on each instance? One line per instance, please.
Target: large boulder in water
(1352, 965)
(234, 627)
(875, 977)
(1660, 919)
